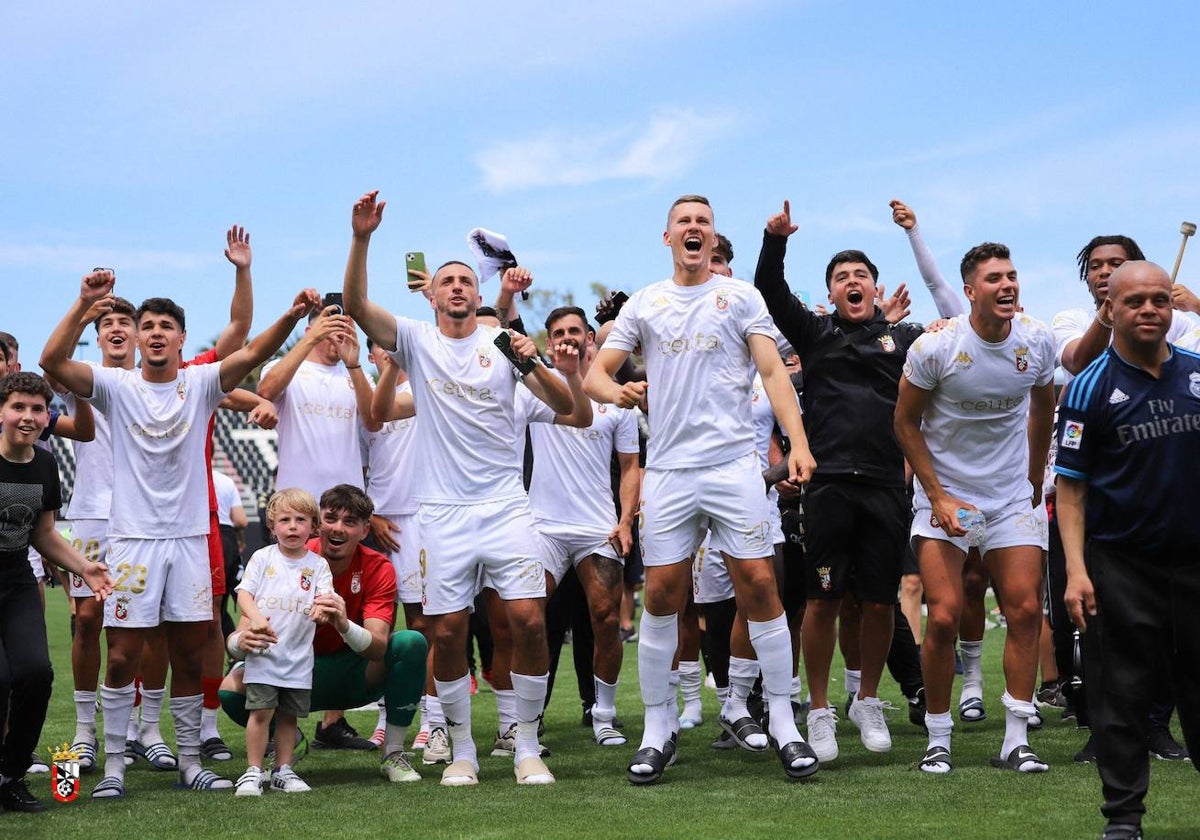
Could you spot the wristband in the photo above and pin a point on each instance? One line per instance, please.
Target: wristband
(232, 646)
(357, 638)
(353, 367)
(1106, 324)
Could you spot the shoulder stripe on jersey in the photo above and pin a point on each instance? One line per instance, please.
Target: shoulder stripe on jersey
(1087, 380)
(1069, 473)
(1188, 353)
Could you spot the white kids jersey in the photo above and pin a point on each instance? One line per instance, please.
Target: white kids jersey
(572, 475)
(283, 590)
(158, 432)
(228, 497)
(698, 364)
(391, 454)
(318, 430)
(91, 493)
(1071, 324)
(464, 390)
(977, 420)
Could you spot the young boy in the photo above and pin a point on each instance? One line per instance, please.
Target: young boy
(30, 496)
(276, 597)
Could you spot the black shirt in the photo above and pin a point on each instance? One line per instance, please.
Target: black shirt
(851, 378)
(26, 490)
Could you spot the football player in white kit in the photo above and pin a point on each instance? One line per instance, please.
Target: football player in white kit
(974, 420)
(464, 390)
(700, 334)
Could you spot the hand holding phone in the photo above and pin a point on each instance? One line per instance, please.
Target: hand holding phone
(504, 342)
(416, 275)
(333, 299)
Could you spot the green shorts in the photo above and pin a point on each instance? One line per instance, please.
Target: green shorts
(339, 681)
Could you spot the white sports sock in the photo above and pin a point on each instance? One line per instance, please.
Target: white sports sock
(381, 721)
(186, 712)
(673, 681)
(394, 738)
(85, 715)
(424, 714)
(117, 705)
(794, 693)
(1016, 722)
(152, 699)
(506, 708)
(972, 658)
(689, 684)
(722, 695)
(658, 637)
(772, 643)
(530, 694)
(742, 674)
(208, 724)
(853, 682)
(940, 727)
(435, 715)
(456, 703)
(605, 708)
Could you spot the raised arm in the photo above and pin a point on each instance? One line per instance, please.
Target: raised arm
(386, 404)
(377, 322)
(945, 297)
(348, 352)
(56, 355)
(236, 366)
(547, 386)
(80, 426)
(241, 308)
(566, 362)
(791, 316)
(1081, 352)
(514, 281)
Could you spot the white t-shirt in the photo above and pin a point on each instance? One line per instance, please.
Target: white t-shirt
(572, 475)
(976, 425)
(283, 590)
(698, 364)
(464, 390)
(1071, 324)
(318, 430)
(392, 453)
(91, 494)
(158, 436)
(228, 497)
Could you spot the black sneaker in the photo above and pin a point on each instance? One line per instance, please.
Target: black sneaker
(1122, 831)
(340, 735)
(1164, 747)
(916, 708)
(1087, 755)
(15, 796)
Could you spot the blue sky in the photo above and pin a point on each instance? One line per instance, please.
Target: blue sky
(135, 134)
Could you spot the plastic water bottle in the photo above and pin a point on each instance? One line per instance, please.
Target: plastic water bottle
(975, 524)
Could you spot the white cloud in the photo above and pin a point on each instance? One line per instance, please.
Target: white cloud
(669, 144)
(80, 259)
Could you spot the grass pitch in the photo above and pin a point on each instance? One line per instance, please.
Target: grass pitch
(708, 794)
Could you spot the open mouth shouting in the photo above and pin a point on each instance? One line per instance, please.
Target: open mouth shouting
(854, 297)
(692, 243)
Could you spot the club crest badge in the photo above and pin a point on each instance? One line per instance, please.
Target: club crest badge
(1194, 384)
(76, 580)
(485, 359)
(306, 579)
(356, 582)
(825, 574)
(887, 343)
(963, 361)
(181, 390)
(601, 408)
(65, 777)
(722, 300)
(1022, 359)
(121, 608)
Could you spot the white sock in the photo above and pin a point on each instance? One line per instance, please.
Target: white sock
(794, 693)
(186, 712)
(117, 704)
(742, 674)
(673, 681)
(689, 686)
(972, 676)
(381, 721)
(658, 637)
(85, 716)
(853, 682)
(435, 715)
(423, 712)
(530, 694)
(152, 699)
(208, 724)
(722, 694)
(772, 643)
(394, 738)
(1016, 722)
(506, 708)
(456, 703)
(940, 727)
(605, 708)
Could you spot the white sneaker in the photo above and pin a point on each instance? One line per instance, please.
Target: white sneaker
(396, 768)
(437, 748)
(250, 783)
(822, 734)
(285, 779)
(867, 715)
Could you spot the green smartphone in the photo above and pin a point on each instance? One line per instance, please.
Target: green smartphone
(414, 261)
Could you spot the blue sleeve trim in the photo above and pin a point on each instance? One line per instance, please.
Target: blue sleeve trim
(1070, 473)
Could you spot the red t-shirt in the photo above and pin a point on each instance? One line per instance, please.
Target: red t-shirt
(208, 357)
(368, 586)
